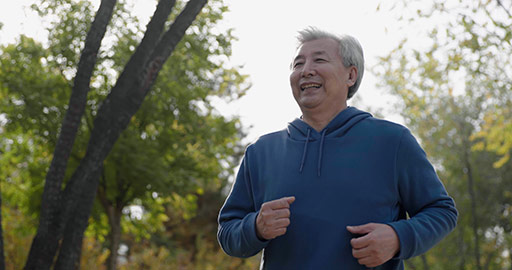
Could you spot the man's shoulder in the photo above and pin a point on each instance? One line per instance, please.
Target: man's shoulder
(272, 137)
(383, 127)
(269, 139)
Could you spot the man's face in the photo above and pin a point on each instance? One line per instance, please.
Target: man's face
(319, 80)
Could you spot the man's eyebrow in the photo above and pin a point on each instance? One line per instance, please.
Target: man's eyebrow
(319, 53)
(300, 56)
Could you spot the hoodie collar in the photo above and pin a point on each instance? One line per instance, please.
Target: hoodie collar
(337, 127)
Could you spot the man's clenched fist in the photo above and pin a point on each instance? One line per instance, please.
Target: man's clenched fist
(378, 244)
(273, 218)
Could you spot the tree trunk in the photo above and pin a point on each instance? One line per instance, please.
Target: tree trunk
(114, 213)
(115, 239)
(489, 259)
(462, 248)
(65, 214)
(472, 197)
(71, 247)
(112, 118)
(424, 261)
(46, 241)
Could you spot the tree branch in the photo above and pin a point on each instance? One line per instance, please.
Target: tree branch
(45, 243)
(504, 8)
(165, 47)
(112, 118)
(177, 30)
(147, 45)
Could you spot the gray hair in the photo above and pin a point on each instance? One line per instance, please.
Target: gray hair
(350, 51)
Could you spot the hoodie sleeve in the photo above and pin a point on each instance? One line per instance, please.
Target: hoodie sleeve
(432, 212)
(237, 218)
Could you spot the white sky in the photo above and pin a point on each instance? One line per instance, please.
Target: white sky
(266, 31)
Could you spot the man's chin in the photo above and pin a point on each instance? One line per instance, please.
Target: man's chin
(308, 103)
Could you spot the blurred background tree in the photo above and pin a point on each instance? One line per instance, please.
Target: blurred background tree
(454, 91)
(163, 182)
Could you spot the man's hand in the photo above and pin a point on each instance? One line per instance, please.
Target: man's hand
(273, 218)
(378, 244)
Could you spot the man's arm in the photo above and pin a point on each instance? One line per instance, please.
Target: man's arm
(423, 196)
(237, 218)
(432, 212)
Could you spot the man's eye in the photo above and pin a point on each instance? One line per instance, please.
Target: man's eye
(297, 64)
(320, 60)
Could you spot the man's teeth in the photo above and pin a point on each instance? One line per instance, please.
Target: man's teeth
(310, 85)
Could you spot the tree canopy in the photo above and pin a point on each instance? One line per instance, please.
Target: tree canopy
(176, 150)
(454, 92)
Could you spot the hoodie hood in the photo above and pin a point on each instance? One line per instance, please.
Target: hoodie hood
(338, 127)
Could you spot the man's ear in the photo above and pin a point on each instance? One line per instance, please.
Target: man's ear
(352, 76)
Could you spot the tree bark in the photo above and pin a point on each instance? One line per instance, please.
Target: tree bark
(115, 238)
(64, 215)
(472, 197)
(424, 261)
(46, 241)
(71, 247)
(114, 213)
(112, 118)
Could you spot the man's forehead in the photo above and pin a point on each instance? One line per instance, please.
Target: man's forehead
(318, 46)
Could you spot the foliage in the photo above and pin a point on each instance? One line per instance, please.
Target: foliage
(454, 92)
(497, 134)
(176, 148)
(193, 242)
(18, 231)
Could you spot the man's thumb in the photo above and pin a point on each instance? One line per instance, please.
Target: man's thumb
(361, 229)
(290, 200)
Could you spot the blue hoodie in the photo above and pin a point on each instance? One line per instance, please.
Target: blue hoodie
(357, 170)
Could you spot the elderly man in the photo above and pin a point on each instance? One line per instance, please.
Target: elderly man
(333, 189)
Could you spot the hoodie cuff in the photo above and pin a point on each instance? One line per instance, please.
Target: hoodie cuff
(249, 228)
(403, 232)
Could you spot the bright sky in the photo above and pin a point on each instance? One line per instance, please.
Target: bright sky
(266, 31)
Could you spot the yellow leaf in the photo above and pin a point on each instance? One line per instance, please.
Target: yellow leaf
(501, 161)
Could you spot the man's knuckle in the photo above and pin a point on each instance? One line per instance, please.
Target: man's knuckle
(371, 240)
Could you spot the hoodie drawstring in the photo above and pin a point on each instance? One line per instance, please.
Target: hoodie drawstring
(320, 151)
(305, 151)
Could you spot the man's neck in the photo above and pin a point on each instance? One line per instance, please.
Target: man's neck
(319, 120)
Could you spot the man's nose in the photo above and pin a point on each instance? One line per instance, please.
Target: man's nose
(308, 70)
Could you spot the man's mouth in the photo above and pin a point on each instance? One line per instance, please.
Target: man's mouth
(310, 85)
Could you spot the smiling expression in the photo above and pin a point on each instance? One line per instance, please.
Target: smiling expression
(319, 80)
